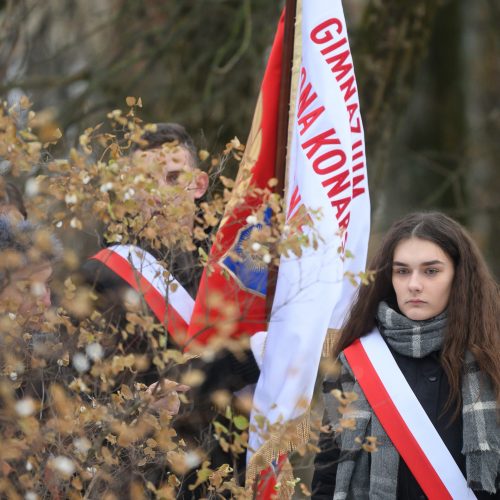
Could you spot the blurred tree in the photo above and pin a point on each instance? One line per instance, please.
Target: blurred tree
(427, 74)
(432, 115)
(482, 173)
(426, 147)
(389, 45)
(196, 62)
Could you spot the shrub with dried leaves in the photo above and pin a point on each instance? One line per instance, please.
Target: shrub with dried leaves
(78, 418)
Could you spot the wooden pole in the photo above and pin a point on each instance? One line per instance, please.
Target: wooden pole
(286, 78)
(282, 135)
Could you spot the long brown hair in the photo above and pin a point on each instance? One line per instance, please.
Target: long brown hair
(473, 307)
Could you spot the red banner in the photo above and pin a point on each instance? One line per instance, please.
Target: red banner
(239, 285)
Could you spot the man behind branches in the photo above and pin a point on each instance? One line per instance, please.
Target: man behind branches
(168, 155)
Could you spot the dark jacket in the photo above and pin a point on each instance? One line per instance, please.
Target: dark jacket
(429, 382)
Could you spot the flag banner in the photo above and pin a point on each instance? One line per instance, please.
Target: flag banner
(326, 172)
(234, 281)
(168, 300)
(405, 421)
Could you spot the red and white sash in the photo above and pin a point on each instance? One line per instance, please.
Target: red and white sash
(404, 420)
(168, 300)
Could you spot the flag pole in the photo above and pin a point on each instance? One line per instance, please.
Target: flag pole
(282, 133)
(286, 78)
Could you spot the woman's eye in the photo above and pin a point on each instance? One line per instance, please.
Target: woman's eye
(400, 270)
(431, 271)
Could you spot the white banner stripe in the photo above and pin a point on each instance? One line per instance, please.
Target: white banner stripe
(415, 417)
(326, 170)
(152, 271)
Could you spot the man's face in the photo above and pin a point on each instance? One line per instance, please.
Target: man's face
(28, 292)
(174, 166)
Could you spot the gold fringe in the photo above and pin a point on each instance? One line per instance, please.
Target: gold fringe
(283, 438)
(285, 485)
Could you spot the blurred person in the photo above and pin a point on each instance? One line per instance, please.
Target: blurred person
(28, 342)
(26, 260)
(170, 155)
(26, 270)
(11, 201)
(27, 348)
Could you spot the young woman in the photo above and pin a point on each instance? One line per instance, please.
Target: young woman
(436, 306)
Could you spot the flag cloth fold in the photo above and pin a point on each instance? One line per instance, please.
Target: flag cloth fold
(326, 171)
(239, 284)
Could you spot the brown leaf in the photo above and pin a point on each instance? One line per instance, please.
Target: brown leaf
(126, 392)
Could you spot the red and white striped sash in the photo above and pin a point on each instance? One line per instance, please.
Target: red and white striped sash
(168, 300)
(404, 420)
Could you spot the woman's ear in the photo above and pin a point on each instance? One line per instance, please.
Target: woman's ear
(200, 184)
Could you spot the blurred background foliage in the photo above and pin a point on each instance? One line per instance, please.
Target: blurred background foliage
(428, 74)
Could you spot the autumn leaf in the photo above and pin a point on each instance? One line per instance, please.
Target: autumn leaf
(240, 422)
(126, 392)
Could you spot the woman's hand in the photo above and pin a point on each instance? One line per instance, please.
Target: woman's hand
(165, 395)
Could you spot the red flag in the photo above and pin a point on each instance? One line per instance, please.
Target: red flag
(239, 285)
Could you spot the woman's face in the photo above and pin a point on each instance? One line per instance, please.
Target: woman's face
(422, 277)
